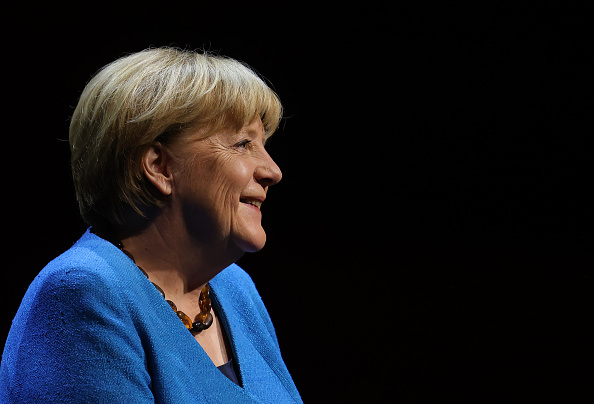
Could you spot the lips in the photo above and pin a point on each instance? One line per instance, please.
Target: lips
(252, 201)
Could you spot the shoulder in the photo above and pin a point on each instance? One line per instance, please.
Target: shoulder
(73, 321)
(88, 268)
(77, 282)
(87, 281)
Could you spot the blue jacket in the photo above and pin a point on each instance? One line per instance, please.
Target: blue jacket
(93, 329)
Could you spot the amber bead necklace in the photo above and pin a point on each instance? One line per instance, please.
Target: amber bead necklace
(202, 320)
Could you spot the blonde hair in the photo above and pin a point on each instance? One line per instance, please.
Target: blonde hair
(154, 95)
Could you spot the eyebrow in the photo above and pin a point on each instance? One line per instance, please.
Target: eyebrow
(254, 134)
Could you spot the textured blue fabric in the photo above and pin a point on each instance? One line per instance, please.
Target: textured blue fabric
(93, 329)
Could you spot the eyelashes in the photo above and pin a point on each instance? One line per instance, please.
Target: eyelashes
(243, 144)
(247, 144)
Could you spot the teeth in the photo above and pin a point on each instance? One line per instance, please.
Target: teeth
(252, 202)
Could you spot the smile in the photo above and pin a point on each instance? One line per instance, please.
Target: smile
(253, 202)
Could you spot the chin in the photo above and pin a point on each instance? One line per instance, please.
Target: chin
(251, 243)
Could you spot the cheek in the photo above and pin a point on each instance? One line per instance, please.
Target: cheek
(210, 195)
(227, 182)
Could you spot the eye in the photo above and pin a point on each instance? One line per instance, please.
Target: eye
(243, 144)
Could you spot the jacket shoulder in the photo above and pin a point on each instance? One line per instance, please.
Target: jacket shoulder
(74, 323)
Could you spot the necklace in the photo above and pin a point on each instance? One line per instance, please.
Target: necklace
(202, 320)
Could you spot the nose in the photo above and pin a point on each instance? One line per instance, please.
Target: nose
(268, 173)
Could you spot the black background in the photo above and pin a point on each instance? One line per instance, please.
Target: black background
(431, 240)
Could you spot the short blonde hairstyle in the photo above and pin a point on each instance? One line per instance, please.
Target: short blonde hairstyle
(151, 96)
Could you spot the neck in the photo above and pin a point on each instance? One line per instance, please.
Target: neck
(174, 260)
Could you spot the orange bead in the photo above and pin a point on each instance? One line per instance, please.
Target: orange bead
(208, 321)
(185, 319)
(205, 305)
(201, 317)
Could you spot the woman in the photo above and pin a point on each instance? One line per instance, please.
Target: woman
(170, 172)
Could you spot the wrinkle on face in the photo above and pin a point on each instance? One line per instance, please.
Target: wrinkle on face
(210, 175)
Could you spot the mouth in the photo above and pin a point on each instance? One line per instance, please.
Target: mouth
(251, 201)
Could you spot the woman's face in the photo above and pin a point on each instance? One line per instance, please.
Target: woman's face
(220, 183)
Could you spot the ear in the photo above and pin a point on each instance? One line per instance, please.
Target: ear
(156, 169)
